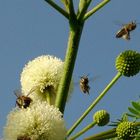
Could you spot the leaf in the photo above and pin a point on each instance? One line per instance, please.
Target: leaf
(133, 116)
(133, 111)
(136, 105)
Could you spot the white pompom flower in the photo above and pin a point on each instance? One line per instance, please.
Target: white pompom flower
(42, 74)
(40, 121)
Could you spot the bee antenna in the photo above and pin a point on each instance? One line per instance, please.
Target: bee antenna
(32, 90)
(80, 76)
(136, 22)
(29, 93)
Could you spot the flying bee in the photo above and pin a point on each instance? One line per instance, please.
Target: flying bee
(84, 84)
(23, 101)
(124, 32)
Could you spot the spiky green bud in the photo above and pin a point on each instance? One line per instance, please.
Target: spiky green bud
(101, 117)
(126, 130)
(128, 63)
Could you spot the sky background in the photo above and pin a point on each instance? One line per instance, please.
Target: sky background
(32, 28)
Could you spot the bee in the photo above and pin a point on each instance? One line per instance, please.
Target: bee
(84, 84)
(23, 101)
(124, 32)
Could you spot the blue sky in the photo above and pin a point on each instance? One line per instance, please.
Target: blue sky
(32, 28)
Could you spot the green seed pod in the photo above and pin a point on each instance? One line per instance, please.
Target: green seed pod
(128, 63)
(126, 130)
(101, 117)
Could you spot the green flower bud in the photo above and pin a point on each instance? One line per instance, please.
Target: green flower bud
(101, 117)
(128, 63)
(126, 130)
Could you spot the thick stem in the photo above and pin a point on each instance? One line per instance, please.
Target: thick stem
(94, 103)
(83, 131)
(73, 43)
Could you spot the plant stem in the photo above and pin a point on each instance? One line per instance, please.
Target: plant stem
(94, 103)
(73, 43)
(48, 98)
(103, 135)
(83, 131)
(96, 8)
(83, 6)
(65, 2)
(71, 8)
(76, 27)
(58, 8)
(68, 6)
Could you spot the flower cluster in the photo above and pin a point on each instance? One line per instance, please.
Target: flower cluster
(101, 117)
(40, 121)
(42, 76)
(126, 130)
(128, 63)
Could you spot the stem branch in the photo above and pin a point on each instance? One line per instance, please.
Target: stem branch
(58, 8)
(83, 131)
(103, 135)
(96, 8)
(82, 9)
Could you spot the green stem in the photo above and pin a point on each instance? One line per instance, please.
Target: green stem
(49, 98)
(94, 103)
(83, 131)
(58, 8)
(103, 135)
(71, 8)
(65, 2)
(73, 43)
(68, 6)
(83, 6)
(96, 8)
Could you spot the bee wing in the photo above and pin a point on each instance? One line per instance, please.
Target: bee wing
(17, 92)
(91, 79)
(121, 33)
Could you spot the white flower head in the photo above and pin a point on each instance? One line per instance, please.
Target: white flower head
(42, 74)
(40, 121)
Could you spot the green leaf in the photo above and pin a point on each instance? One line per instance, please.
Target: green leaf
(136, 105)
(131, 115)
(133, 111)
(135, 117)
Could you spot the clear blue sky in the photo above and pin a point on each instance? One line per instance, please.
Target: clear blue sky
(32, 28)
